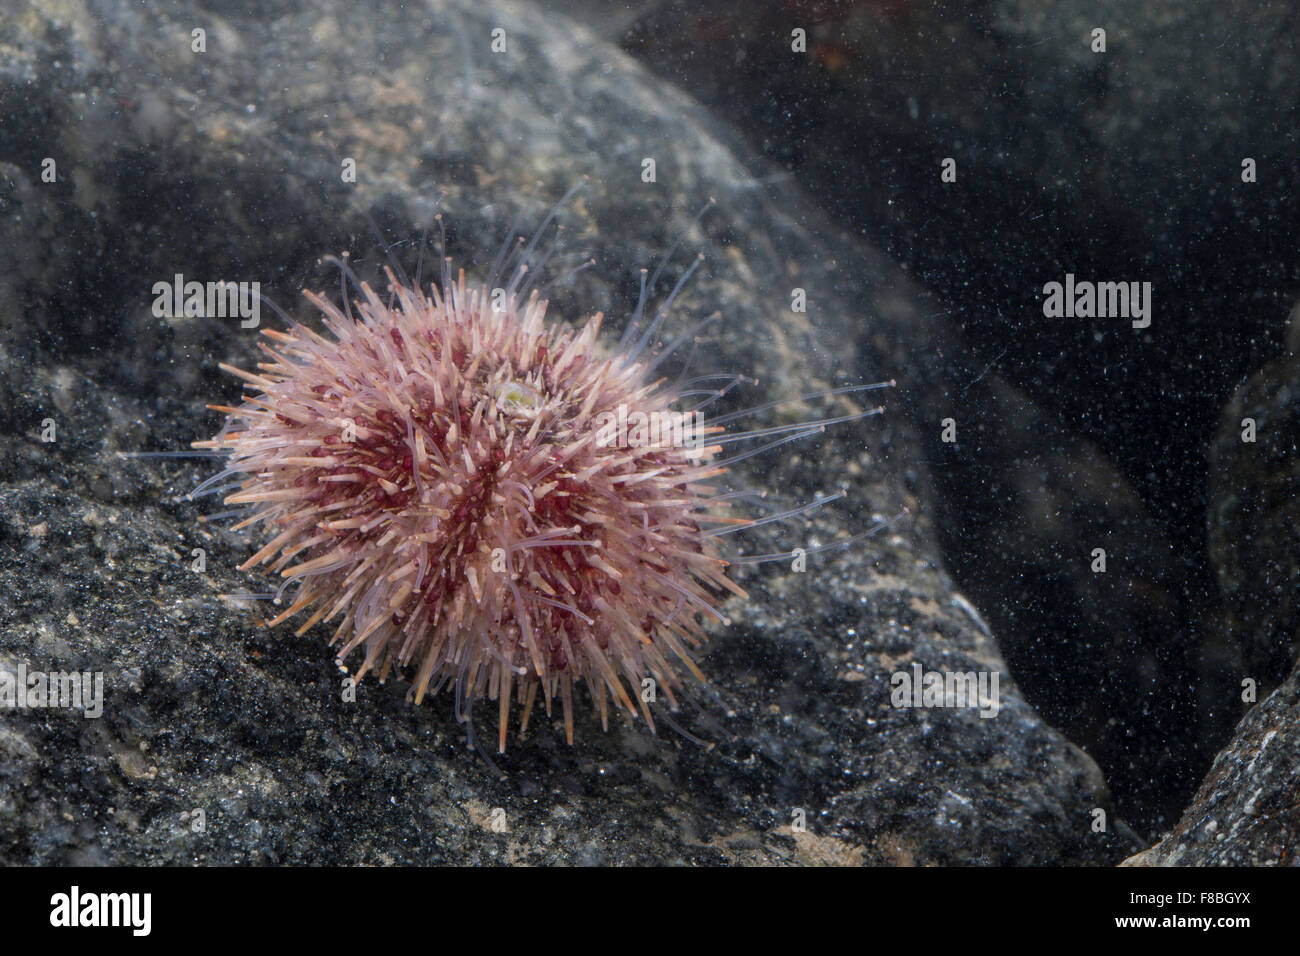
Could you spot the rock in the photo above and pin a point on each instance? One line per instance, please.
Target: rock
(1246, 812)
(223, 742)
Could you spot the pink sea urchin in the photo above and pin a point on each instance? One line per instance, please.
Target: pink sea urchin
(436, 474)
(453, 475)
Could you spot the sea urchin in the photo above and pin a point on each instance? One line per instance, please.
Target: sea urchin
(443, 475)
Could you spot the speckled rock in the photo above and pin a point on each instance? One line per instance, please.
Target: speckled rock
(1247, 812)
(223, 742)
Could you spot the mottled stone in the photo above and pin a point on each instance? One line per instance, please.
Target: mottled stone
(1247, 812)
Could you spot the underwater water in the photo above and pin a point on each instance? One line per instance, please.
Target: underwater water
(1010, 618)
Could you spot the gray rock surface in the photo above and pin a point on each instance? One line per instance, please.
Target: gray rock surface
(1247, 812)
(223, 742)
